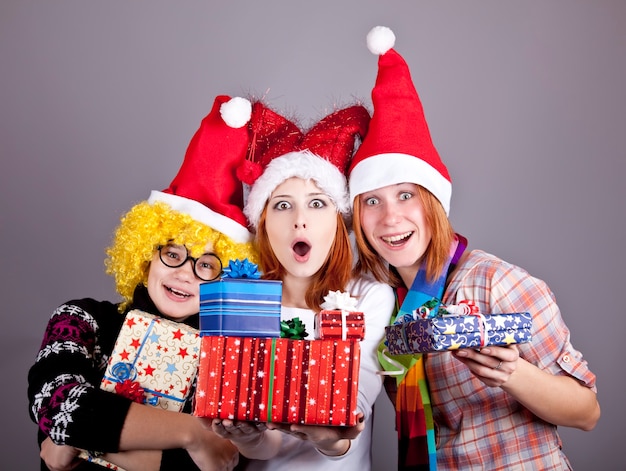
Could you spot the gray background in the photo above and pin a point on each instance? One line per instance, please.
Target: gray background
(525, 100)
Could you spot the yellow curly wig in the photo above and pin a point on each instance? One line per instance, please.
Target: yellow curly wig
(145, 227)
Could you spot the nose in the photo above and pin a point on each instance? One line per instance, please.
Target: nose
(185, 271)
(391, 214)
(300, 220)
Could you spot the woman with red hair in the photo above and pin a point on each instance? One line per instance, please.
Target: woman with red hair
(491, 408)
(298, 207)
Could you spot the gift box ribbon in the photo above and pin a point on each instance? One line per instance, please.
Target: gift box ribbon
(344, 325)
(468, 308)
(340, 301)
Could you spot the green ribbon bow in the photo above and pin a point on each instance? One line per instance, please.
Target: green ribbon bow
(293, 329)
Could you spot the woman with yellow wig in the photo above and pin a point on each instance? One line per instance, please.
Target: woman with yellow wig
(162, 250)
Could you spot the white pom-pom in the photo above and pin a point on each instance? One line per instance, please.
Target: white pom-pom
(236, 112)
(380, 39)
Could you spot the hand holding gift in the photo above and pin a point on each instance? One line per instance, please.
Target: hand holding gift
(280, 378)
(154, 361)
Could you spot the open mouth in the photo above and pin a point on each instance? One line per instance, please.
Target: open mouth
(397, 240)
(301, 248)
(177, 293)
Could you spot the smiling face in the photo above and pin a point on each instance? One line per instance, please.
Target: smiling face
(394, 223)
(301, 223)
(174, 291)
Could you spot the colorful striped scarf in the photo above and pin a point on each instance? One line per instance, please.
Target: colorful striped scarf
(414, 418)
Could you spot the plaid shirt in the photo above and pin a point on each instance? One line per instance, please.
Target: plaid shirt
(483, 428)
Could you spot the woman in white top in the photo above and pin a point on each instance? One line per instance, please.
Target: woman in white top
(298, 206)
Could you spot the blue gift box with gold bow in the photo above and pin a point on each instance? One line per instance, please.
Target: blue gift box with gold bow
(240, 303)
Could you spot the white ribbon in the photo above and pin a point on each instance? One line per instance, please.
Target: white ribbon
(458, 309)
(339, 300)
(401, 368)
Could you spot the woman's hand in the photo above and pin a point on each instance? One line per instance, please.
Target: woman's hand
(331, 441)
(59, 457)
(491, 365)
(211, 452)
(557, 399)
(240, 433)
(252, 439)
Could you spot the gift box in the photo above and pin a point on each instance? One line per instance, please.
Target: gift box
(242, 307)
(336, 324)
(154, 361)
(278, 380)
(339, 318)
(451, 332)
(156, 354)
(87, 456)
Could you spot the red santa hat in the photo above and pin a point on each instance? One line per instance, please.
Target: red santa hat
(398, 147)
(281, 151)
(206, 186)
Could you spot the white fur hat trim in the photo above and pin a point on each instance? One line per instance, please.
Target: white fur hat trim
(301, 164)
(202, 214)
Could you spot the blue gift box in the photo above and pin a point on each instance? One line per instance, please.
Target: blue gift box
(240, 306)
(451, 332)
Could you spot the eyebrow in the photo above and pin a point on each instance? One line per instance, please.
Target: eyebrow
(308, 195)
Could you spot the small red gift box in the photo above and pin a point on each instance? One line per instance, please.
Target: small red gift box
(336, 324)
(278, 380)
(339, 318)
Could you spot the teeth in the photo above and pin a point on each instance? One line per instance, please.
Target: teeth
(178, 293)
(396, 238)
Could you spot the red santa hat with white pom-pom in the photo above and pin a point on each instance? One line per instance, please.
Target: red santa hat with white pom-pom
(280, 150)
(398, 147)
(206, 186)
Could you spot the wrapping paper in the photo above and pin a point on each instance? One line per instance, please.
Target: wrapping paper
(241, 307)
(278, 380)
(451, 332)
(338, 324)
(159, 354)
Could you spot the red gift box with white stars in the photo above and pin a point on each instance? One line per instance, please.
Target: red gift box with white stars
(311, 382)
(154, 361)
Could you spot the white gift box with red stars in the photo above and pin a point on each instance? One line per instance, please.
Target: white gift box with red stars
(154, 361)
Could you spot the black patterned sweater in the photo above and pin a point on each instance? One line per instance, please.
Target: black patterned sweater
(65, 399)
